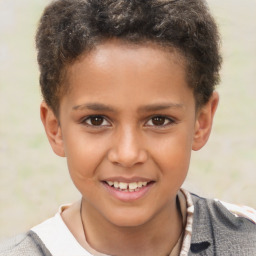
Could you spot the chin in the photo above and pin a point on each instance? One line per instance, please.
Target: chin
(128, 219)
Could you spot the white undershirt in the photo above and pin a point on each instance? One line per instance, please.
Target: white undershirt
(58, 239)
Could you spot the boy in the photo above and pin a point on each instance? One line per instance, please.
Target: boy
(128, 91)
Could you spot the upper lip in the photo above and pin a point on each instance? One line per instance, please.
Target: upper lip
(128, 180)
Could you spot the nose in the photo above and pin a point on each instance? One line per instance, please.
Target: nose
(127, 149)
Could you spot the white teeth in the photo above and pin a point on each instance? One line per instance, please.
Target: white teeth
(131, 187)
(123, 185)
(140, 184)
(110, 183)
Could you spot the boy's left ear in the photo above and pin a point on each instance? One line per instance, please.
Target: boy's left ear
(204, 120)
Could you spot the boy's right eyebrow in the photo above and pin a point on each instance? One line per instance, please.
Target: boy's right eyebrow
(94, 106)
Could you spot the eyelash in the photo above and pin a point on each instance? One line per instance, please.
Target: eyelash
(84, 121)
(167, 121)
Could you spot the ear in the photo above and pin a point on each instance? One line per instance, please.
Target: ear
(204, 122)
(52, 129)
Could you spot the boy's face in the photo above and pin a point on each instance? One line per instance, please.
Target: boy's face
(128, 119)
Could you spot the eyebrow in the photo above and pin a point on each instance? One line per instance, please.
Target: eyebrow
(94, 106)
(147, 108)
(156, 107)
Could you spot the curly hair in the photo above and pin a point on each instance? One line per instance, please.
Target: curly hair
(70, 28)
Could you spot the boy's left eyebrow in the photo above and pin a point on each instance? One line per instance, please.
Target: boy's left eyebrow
(156, 107)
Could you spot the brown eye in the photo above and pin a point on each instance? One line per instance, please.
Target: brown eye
(96, 121)
(158, 120)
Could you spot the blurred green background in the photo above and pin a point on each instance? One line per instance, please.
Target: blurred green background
(34, 182)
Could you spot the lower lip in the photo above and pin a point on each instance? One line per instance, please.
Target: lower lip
(128, 196)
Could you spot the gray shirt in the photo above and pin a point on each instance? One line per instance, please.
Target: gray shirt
(216, 231)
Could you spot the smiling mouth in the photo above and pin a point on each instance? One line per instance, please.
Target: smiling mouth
(128, 187)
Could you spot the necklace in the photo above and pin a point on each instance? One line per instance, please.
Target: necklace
(81, 217)
(179, 210)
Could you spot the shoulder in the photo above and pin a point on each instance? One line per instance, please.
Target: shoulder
(24, 244)
(227, 213)
(227, 227)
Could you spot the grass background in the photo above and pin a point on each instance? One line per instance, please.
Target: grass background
(34, 182)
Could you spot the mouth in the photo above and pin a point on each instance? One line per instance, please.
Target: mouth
(128, 191)
(127, 187)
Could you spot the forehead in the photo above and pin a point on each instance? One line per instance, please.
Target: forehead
(144, 54)
(116, 70)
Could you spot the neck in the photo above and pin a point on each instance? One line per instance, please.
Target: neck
(157, 236)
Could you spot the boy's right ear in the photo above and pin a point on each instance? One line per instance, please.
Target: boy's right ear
(52, 129)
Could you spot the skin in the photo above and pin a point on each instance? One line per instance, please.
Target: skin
(147, 129)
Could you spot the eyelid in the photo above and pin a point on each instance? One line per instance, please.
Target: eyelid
(107, 123)
(105, 119)
(171, 121)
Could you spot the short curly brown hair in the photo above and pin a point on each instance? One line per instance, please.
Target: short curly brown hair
(69, 28)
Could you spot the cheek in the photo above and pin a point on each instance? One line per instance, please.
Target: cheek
(173, 153)
(84, 153)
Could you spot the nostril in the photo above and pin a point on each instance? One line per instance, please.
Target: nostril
(127, 148)
(127, 158)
